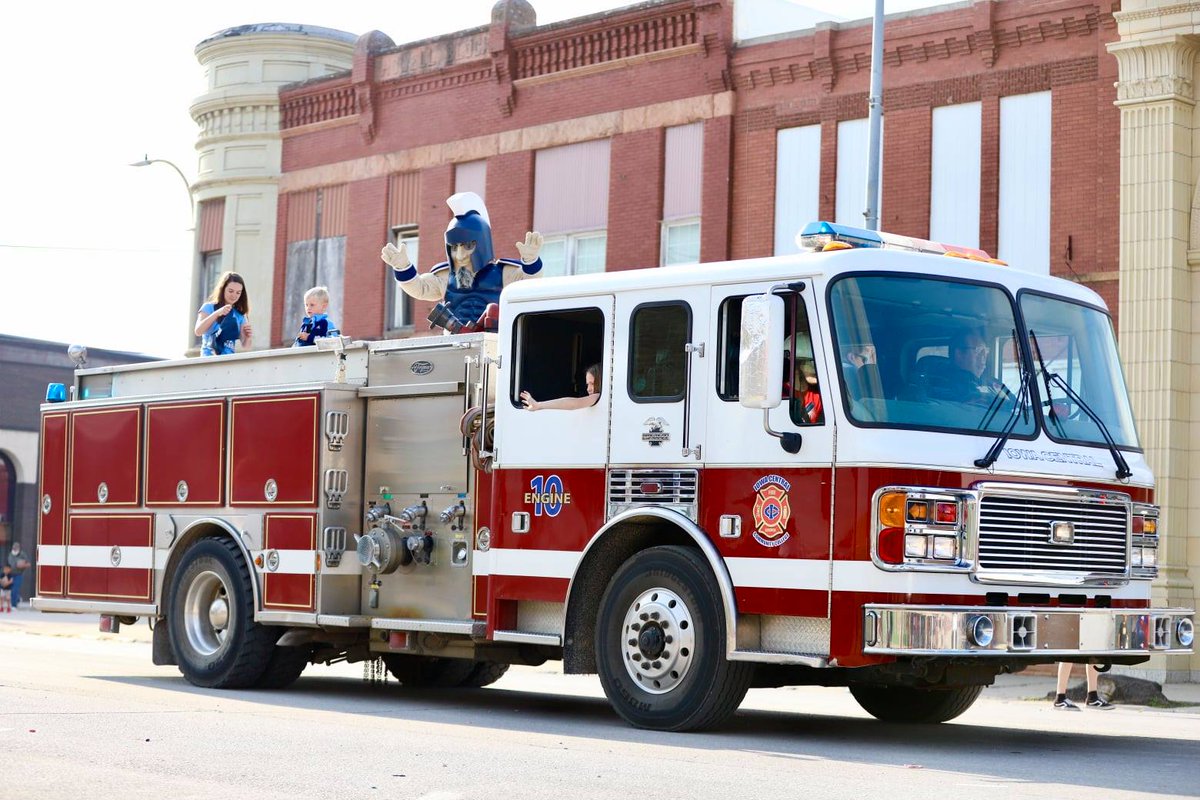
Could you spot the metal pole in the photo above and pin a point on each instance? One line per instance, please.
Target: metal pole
(147, 161)
(875, 120)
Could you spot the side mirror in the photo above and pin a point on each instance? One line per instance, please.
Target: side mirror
(760, 359)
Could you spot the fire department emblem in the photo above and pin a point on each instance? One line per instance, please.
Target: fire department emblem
(772, 510)
(655, 432)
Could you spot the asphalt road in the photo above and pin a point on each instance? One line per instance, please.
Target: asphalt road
(89, 717)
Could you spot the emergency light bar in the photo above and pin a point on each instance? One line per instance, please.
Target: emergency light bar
(832, 236)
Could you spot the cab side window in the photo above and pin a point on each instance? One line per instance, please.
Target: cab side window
(801, 387)
(553, 350)
(658, 333)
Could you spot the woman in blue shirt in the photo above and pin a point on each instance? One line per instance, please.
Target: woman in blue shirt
(222, 322)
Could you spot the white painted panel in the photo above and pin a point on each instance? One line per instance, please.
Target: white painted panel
(797, 184)
(683, 170)
(570, 192)
(954, 174)
(471, 176)
(1024, 218)
(853, 137)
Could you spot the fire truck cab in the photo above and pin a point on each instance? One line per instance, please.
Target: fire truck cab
(867, 465)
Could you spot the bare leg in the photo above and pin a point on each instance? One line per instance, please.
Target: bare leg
(1064, 676)
(1093, 678)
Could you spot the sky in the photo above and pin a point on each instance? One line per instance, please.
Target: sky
(97, 252)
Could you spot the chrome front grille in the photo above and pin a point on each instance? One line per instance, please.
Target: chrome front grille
(639, 488)
(1015, 533)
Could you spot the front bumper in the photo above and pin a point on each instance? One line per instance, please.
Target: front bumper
(962, 631)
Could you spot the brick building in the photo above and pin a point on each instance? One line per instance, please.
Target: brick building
(651, 135)
(1059, 135)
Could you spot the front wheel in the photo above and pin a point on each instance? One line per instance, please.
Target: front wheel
(911, 705)
(660, 644)
(216, 641)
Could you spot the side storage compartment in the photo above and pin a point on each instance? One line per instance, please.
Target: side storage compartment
(273, 450)
(289, 561)
(110, 556)
(52, 507)
(105, 457)
(185, 454)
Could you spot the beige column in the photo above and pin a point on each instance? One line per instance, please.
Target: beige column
(1158, 289)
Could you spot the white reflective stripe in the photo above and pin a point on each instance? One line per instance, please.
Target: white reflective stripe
(291, 562)
(51, 555)
(779, 573)
(526, 563)
(92, 555)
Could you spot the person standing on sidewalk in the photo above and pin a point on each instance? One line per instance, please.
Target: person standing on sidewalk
(1094, 700)
(19, 560)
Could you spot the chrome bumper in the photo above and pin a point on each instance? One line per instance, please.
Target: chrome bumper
(963, 631)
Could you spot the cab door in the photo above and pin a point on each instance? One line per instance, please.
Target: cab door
(660, 378)
(768, 509)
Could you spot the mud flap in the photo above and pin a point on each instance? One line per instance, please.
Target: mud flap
(160, 651)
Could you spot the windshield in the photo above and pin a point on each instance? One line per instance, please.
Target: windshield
(928, 353)
(1077, 343)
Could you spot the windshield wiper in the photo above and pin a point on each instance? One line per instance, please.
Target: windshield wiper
(1123, 470)
(1018, 407)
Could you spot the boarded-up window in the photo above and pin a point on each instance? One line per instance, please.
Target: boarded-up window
(212, 223)
(403, 199)
(471, 177)
(404, 193)
(954, 175)
(316, 254)
(683, 170)
(797, 184)
(571, 188)
(1024, 218)
(853, 136)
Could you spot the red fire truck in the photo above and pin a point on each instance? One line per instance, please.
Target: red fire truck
(868, 465)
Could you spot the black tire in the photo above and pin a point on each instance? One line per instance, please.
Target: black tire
(660, 644)
(217, 643)
(915, 706)
(485, 674)
(428, 671)
(284, 667)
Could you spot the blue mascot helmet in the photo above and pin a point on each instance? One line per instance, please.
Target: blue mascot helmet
(471, 227)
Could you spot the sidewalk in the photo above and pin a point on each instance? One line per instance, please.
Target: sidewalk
(1032, 685)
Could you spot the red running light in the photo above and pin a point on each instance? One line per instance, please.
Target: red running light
(947, 513)
(890, 545)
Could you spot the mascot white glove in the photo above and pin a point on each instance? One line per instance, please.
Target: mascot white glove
(530, 248)
(395, 257)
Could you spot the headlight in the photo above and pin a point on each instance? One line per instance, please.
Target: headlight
(917, 527)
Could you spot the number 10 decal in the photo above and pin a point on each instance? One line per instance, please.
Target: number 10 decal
(547, 496)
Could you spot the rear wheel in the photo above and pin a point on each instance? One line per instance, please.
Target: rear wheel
(911, 705)
(660, 644)
(428, 671)
(216, 641)
(485, 674)
(284, 667)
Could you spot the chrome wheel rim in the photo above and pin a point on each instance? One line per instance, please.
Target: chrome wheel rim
(206, 613)
(658, 640)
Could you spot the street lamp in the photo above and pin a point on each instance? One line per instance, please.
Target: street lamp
(147, 161)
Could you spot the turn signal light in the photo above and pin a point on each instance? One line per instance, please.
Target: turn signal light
(918, 511)
(891, 509)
